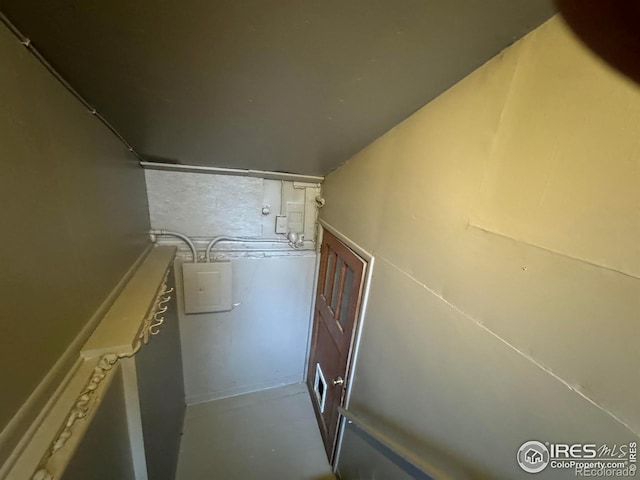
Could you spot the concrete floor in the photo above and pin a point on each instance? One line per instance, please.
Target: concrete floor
(268, 435)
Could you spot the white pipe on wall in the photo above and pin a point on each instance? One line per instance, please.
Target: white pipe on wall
(181, 236)
(292, 240)
(239, 239)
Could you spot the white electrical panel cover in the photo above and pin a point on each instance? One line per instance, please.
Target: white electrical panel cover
(207, 287)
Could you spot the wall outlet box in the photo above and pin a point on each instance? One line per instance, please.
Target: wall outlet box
(207, 287)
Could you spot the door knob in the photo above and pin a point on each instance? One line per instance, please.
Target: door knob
(338, 381)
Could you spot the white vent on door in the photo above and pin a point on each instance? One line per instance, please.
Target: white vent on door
(320, 387)
(207, 287)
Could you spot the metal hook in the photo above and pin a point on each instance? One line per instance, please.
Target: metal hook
(159, 321)
(159, 312)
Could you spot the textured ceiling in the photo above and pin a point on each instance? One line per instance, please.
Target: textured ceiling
(294, 86)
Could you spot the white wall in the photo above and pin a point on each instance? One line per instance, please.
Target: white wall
(505, 221)
(262, 342)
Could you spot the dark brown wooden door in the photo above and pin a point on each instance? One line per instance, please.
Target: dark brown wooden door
(337, 306)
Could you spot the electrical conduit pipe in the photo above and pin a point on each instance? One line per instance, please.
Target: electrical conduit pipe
(186, 239)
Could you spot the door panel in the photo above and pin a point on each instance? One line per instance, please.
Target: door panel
(337, 306)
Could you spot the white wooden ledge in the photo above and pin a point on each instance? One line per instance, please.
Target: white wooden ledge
(120, 329)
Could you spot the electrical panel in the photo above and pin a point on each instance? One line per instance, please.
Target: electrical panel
(207, 287)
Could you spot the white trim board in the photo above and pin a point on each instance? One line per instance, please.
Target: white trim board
(292, 177)
(134, 417)
(234, 392)
(38, 446)
(312, 311)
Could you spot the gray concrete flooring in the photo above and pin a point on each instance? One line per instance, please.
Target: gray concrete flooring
(267, 435)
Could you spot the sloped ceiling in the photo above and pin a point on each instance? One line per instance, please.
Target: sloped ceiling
(293, 86)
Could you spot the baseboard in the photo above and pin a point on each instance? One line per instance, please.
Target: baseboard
(21, 428)
(234, 392)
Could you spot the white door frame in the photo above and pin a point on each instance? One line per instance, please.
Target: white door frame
(357, 334)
